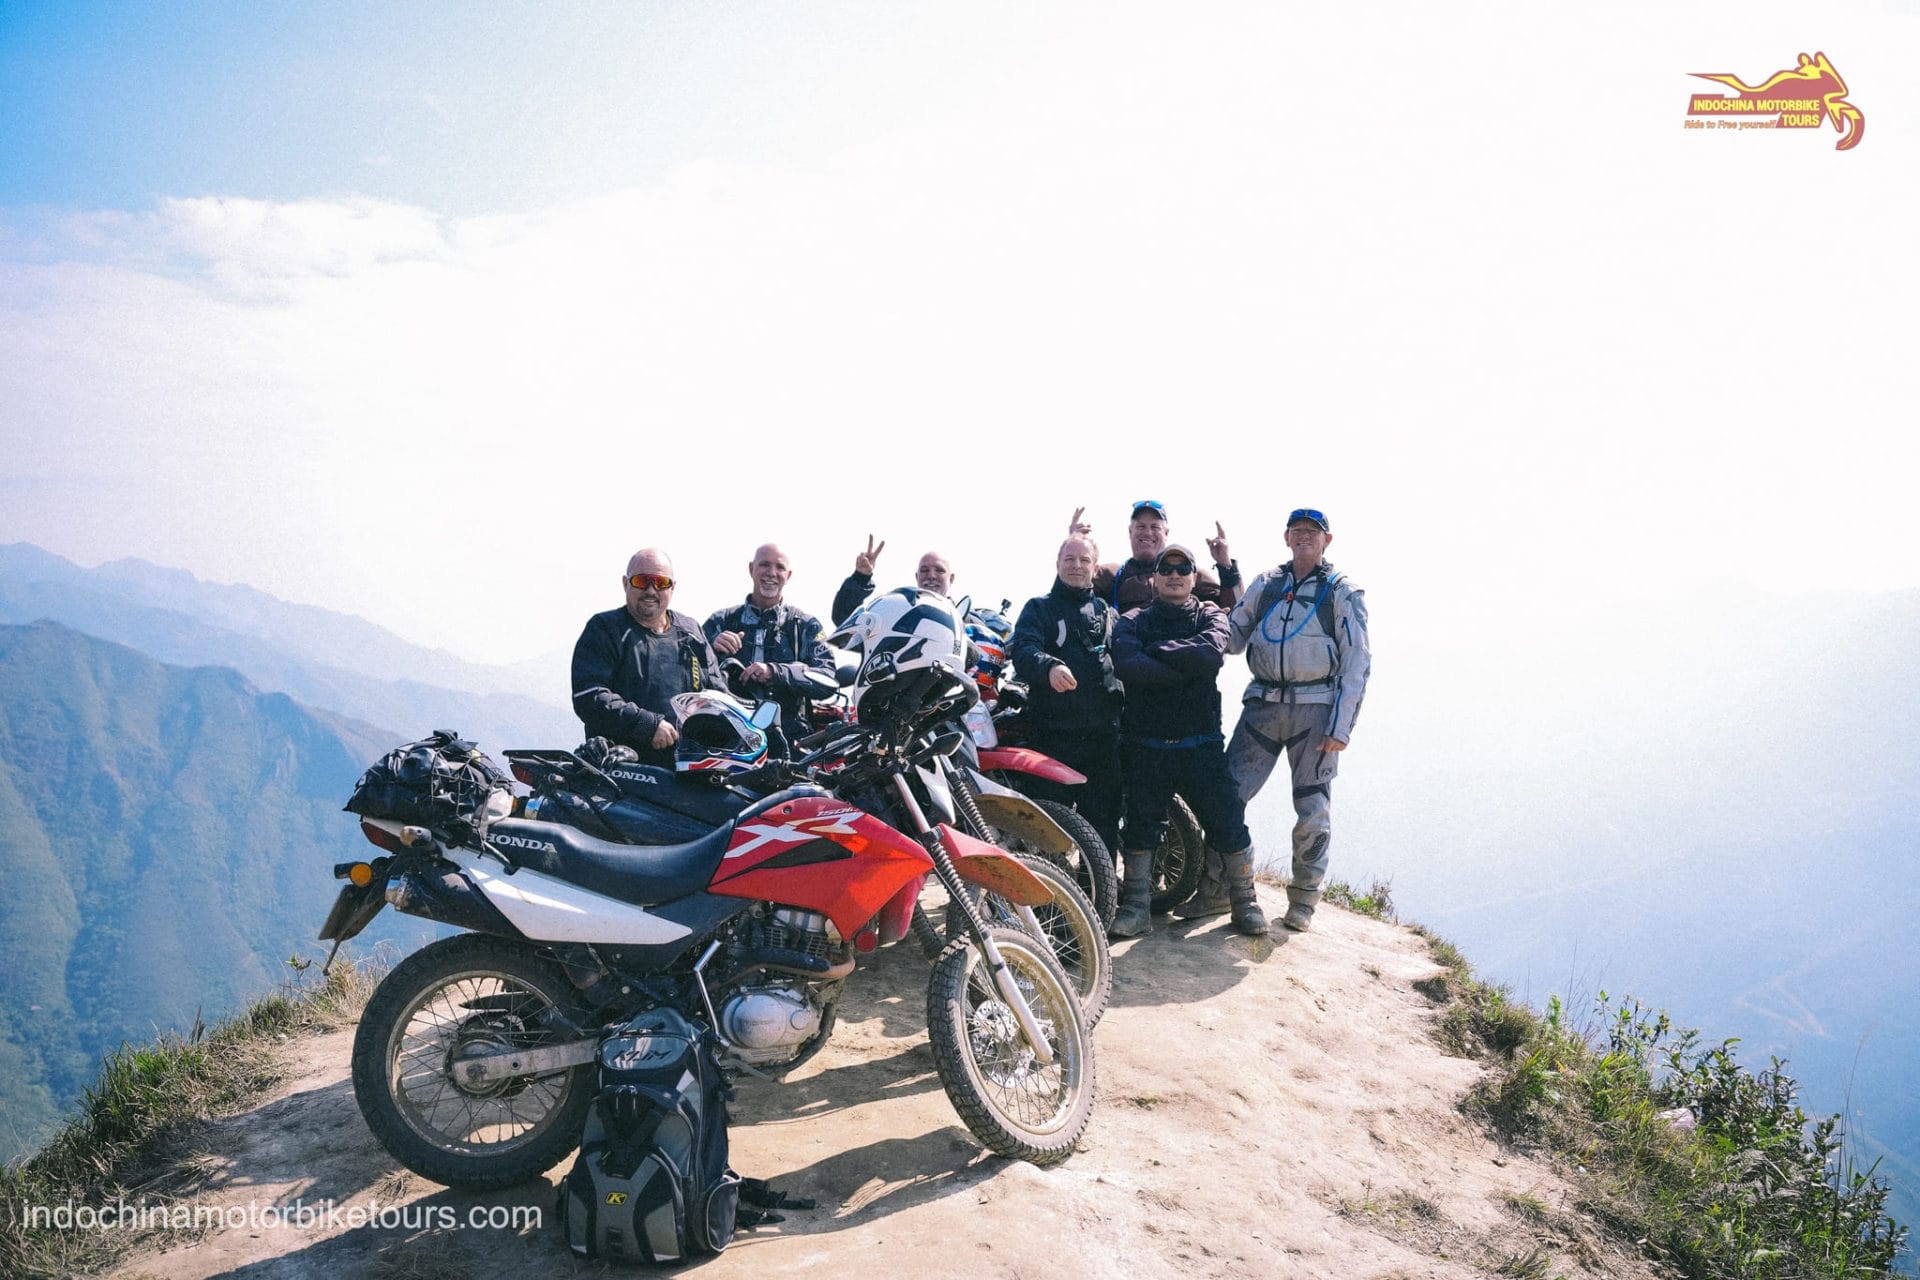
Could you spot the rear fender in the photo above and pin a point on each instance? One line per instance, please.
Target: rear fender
(446, 894)
(1018, 816)
(994, 869)
(1028, 761)
(353, 911)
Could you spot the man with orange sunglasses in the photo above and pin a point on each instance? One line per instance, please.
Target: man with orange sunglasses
(630, 661)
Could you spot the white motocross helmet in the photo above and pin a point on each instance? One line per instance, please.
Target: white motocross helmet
(909, 640)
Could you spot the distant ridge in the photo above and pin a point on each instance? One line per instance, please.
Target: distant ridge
(325, 659)
(168, 836)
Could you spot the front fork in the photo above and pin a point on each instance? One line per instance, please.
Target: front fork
(996, 963)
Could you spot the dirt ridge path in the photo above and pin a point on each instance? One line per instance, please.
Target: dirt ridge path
(1265, 1109)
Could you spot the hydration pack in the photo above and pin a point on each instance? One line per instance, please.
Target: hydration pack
(651, 1183)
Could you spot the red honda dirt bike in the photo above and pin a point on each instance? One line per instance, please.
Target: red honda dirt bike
(474, 1060)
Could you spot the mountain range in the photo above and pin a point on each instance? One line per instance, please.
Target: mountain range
(322, 658)
(168, 835)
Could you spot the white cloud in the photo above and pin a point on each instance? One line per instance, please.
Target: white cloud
(1243, 272)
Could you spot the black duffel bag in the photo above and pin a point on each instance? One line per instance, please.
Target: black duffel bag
(442, 781)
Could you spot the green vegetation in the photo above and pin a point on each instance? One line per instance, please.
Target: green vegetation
(168, 835)
(1375, 900)
(130, 1131)
(1713, 1170)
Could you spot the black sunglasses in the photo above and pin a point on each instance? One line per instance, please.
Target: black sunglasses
(1175, 568)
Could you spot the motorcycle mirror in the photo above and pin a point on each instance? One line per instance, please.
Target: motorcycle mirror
(846, 666)
(946, 740)
(818, 685)
(766, 715)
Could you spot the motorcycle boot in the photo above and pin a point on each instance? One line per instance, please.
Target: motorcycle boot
(1135, 916)
(1210, 899)
(1300, 905)
(1245, 902)
(1310, 839)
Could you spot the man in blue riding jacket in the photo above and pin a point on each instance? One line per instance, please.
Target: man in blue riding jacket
(777, 642)
(1168, 655)
(1303, 628)
(1060, 648)
(630, 661)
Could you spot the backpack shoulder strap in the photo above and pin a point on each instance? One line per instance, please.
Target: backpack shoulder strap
(1271, 593)
(1324, 606)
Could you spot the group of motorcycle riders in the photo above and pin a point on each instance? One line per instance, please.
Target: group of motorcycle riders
(1120, 661)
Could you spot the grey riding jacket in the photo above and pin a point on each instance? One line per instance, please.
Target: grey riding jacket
(1305, 641)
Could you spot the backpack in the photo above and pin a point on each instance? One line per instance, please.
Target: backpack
(442, 781)
(652, 1183)
(1273, 593)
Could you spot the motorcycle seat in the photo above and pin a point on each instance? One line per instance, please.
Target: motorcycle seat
(696, 798)
(642, 874)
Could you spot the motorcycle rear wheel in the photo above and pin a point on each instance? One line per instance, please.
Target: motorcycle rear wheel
(1177, 863)
(1090, 861)
(1016, 1108)
(471, 992)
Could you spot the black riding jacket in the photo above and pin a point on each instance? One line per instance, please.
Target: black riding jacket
(1070, 627)
(625, 676)
(785, 638)
(1169, 657)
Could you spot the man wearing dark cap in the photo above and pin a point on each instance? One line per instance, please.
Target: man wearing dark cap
(1129, 584)
(1168, 654)
(1303, 628)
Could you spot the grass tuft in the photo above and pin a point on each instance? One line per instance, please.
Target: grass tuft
(1713, 1170)
(1375, 900)
(133, 1126)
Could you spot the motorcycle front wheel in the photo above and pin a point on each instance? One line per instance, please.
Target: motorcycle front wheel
(1070, 927)
(461, 996)
(1015, 1106)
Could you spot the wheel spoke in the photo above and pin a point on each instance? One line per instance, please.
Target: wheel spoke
(467, 1015)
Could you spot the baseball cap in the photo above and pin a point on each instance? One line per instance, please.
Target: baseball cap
(1148, 504)
(1174, 549)
(1309, 513)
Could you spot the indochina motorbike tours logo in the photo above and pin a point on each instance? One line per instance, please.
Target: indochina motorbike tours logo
(1804, 97)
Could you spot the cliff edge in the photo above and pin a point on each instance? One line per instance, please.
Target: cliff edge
(1265, 1108)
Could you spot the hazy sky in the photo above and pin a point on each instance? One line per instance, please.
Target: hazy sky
(433, 313)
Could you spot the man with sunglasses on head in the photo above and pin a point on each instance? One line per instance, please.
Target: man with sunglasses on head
(1168, 655)
(777, 642)
(630, 661)
(1129, 584)
(1303, 628)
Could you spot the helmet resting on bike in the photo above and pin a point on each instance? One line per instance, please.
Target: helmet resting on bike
(913, 651)
(717, 736)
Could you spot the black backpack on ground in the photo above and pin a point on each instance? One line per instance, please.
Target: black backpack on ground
(652, 1183)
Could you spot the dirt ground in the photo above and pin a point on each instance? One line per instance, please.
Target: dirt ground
(1264, 1109)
